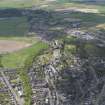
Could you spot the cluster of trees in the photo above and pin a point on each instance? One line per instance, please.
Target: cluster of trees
(10, 13)
(1, 65)
(24, 72)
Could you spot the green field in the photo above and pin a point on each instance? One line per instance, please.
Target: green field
(57, 4)
(15, 3)
(19, 3)
(14, 26)
(68, 3)
(17, 59)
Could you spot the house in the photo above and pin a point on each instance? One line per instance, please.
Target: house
(20, 92)
(56, 53)
(56, 44)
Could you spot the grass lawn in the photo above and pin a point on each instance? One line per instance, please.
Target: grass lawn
(17, 59)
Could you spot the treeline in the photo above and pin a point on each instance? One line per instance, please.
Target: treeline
(40, 47)
(10, 13)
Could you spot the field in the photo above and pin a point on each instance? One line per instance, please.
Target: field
(20, 3)
(15, 3)
(11, 46)
(49, 3)
(100, 6)
(17, 59)
(13, 26)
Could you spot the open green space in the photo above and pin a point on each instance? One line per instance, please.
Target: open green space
(17, 59)
(13, 26)
(15, 3)
(46, 4)
(33, 52)
(100, 6)
(19, 3)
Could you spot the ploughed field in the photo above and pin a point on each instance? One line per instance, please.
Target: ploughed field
(11, 46)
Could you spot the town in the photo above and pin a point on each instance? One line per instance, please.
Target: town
(52, 52)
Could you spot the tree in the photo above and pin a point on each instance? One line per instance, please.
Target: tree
(1, 65)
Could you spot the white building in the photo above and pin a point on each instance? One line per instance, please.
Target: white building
(56, 53)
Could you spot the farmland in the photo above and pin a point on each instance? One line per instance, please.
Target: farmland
(13, 26)
(17, 59)
(18, 27)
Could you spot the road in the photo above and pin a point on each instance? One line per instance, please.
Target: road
(101, 95)
(53, 95)
(17, 99)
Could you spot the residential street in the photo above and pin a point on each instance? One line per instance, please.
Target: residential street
(17, 99)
